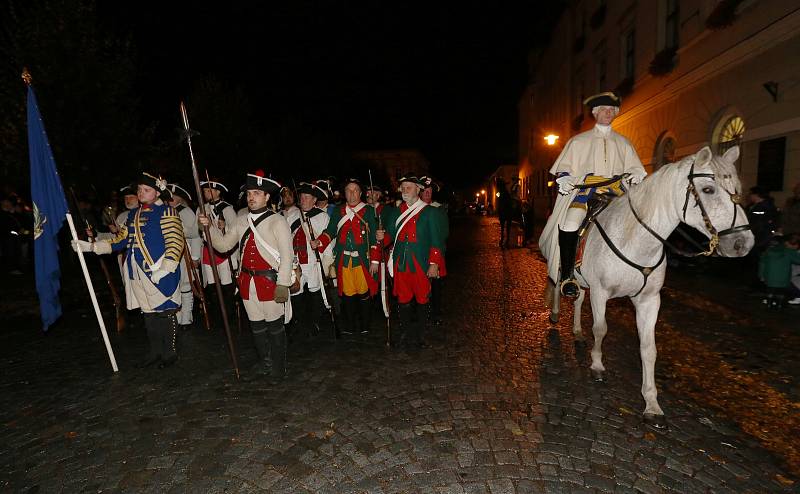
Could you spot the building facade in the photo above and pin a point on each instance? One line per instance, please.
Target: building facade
(691, 73)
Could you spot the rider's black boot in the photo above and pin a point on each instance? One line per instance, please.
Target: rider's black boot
(568, 244)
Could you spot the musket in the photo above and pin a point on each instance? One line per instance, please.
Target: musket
(382, 267)
(194, 282)
(237, 307)
(326, 282)
(112, 288)
(207, 234)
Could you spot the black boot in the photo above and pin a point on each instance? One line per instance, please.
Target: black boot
(317, 310)
(420, 325)
(263, 365)
(567, 245)
(436, 302)
(153, 338)
(348, 315)
(277, 350)
(364, 312)
(169, 331)
(407, 329)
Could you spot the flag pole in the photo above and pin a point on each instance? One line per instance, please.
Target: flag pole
(92, 294)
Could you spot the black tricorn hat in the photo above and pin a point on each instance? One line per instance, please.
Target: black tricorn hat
(128, 190)
(158, 183)
(177, 190)
(411, 178)
(313, 189)
(603, 99)
(430, 182)
(326, 186)
(258, 181)
(214, 184)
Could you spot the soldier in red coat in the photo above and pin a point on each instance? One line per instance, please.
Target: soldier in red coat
(265, 244)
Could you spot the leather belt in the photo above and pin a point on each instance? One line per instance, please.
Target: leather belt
(269, 274)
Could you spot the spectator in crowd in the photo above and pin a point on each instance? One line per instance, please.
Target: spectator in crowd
(790, 217)
(775, 269)
(763, 217)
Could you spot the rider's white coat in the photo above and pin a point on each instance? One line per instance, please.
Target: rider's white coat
(600, 151)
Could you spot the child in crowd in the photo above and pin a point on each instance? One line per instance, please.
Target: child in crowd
(775, 270)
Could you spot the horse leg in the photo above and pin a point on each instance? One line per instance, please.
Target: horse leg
(598, 299)
(647, 307)
(576, 318)
(555, 307)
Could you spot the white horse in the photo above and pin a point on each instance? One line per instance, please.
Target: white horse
(702, 191)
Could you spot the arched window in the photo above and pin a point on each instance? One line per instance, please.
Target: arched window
(730, 134)
(665, 150)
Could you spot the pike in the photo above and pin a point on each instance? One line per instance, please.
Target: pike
(112, 288)
(326, 282)
(194, 282)
(207, 234)
(384, 299)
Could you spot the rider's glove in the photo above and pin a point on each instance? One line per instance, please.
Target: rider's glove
(566, 184)
(636, 178)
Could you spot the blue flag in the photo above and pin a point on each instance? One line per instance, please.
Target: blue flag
(49, 211)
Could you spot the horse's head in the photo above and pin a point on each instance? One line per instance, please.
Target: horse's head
(712, 204)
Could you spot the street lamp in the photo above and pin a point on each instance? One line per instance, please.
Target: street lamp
(551, 139)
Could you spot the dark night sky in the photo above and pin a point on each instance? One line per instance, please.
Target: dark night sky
(444, 78)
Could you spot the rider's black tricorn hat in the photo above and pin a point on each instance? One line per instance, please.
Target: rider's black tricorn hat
(603, 99)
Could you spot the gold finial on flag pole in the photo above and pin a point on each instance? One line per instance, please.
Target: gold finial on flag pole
(26, 76)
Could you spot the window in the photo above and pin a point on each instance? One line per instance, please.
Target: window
(579, 93)
(771, 158)
(602, 67)
(628, 54)
(671, 24)
(731, 134)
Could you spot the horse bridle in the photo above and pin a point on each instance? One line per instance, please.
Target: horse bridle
(691, 189)
(715, 235)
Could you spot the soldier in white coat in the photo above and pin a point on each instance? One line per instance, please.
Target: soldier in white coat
(308, 302)
(221, 214)
(194, 244)
(594, 156)
(265, 243)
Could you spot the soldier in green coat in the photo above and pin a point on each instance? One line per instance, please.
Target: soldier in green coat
(416, 232)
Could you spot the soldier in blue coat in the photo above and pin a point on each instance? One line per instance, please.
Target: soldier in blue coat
(153, 240)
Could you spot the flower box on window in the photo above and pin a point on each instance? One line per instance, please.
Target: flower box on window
(723, 15)
(664, 62)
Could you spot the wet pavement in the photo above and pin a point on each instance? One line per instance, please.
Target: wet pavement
(503, 401)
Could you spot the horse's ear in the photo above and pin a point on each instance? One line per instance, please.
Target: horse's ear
(731, 155)
(703, 156)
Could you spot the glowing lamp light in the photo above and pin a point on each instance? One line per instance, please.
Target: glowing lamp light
(483, 192)
(550, 183)
(550, 139)
(497, 194)
(477, 194)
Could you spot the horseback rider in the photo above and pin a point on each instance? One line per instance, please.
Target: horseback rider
(591, 157)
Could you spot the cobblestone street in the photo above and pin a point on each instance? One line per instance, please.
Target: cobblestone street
(503, 402)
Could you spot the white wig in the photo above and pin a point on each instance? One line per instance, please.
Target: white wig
(598, 108)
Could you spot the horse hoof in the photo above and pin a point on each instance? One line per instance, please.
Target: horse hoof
(554, 317)
(598, 376)
(655, 420)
